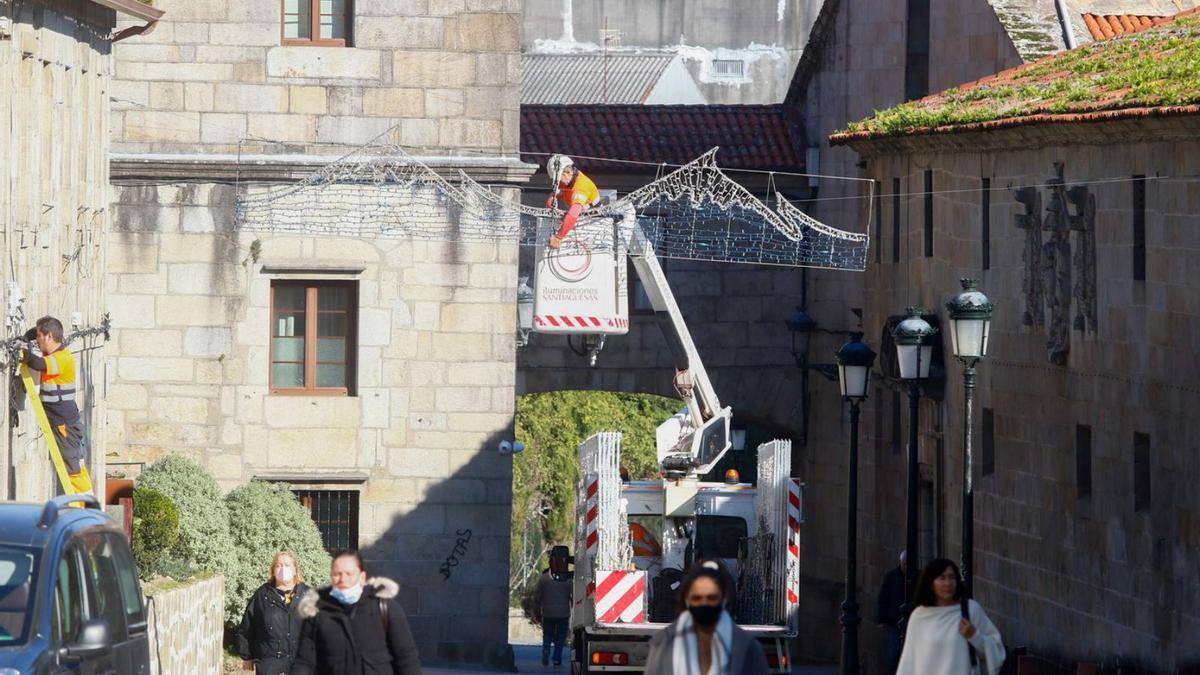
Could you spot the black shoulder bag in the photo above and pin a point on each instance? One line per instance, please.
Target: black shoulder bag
(966, 614)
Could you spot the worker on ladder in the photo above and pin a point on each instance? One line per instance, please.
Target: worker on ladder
(573, 188)
(57, 393)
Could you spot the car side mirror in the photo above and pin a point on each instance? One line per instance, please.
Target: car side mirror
(95, 639)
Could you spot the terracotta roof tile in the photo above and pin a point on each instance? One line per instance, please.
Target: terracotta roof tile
(1104, 26)
(750, 136)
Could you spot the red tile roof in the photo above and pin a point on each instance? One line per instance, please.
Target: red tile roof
(750, 136)
(1104, 26)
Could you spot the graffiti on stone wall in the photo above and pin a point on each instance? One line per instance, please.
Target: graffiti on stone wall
(460, 549)
(1059, 275)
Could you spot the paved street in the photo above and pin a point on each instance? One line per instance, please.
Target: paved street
(529, 661)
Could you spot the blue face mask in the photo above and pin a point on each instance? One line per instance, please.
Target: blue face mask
(348, 596)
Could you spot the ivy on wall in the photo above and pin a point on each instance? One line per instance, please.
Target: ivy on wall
(546, 474)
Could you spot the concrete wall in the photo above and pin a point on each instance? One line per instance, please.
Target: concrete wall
(434, 395)
(54, 203)
(214, 73)
(1090, 577)
(767, 34)
(186, 627)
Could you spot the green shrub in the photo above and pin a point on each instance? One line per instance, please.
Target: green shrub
(266, 518)
(155, 529)
(545, 476)
(204, 541)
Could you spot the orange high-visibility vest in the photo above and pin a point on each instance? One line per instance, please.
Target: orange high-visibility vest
(583, 191)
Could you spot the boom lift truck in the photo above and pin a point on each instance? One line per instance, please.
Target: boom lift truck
(622, 595)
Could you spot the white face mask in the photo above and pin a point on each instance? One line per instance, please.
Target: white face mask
(285, 574)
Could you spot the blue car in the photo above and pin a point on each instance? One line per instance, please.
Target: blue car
(70, 601)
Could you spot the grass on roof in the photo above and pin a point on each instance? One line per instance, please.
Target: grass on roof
(1153, 68)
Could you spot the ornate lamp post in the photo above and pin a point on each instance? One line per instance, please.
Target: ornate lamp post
(970, 318)
(914, 351)
(854, 361)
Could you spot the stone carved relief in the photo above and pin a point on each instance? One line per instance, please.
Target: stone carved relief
(1031, 284)
(1058, 269)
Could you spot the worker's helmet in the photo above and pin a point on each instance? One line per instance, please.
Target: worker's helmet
(556, 166)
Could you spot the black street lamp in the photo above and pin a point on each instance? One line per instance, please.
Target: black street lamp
(914, 351)
(970, 318)
(854, 361)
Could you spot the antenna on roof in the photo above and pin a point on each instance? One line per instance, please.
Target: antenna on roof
(607, 35)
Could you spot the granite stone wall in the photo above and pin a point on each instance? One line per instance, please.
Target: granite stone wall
(1085, 521)
(186, 626)
(416, 437)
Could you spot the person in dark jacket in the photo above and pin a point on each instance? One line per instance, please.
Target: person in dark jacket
(554, 598)
(355, 626)
(703, 638)
(270, 631)
(887, 614)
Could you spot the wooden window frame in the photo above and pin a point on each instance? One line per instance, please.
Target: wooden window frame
(311, 288)
(314, 27)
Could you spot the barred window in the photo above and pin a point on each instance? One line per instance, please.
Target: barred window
(336, 514)
(728, 68)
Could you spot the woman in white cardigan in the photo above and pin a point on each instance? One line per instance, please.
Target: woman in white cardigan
(941, 634)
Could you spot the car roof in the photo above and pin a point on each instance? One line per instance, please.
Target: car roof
(19, 522)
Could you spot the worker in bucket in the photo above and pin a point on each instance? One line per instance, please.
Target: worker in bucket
(571, 187)
(57, 392)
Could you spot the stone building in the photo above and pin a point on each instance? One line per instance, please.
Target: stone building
(54, 201)
(386, 418)
(861, 57)
(1074, 207)
(736, 53)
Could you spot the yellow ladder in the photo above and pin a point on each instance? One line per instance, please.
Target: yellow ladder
(47, 431)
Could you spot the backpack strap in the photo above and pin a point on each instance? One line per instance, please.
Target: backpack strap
(966, 614)
(387, 620)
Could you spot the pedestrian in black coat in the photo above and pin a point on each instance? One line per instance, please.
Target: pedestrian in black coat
(354, 627)
(269, 634)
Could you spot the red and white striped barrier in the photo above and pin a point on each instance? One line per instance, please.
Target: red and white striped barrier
(593, 509)
(621, 597)
(565, 321)
(793, 545)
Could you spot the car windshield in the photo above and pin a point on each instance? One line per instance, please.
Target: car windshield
(18, 571)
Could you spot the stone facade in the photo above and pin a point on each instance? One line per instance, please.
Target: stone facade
(1086, 541)
(186, 625)
(432, 358)
(54, 204)
(858, 66)
(446, 73)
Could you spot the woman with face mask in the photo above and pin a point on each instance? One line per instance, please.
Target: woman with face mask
(270, 630)
(703, 640)
(354, 626)
(947, 633)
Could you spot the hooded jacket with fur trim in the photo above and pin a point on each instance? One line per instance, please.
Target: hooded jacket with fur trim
(356, 639)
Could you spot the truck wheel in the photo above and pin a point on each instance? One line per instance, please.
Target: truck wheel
(579, 664)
